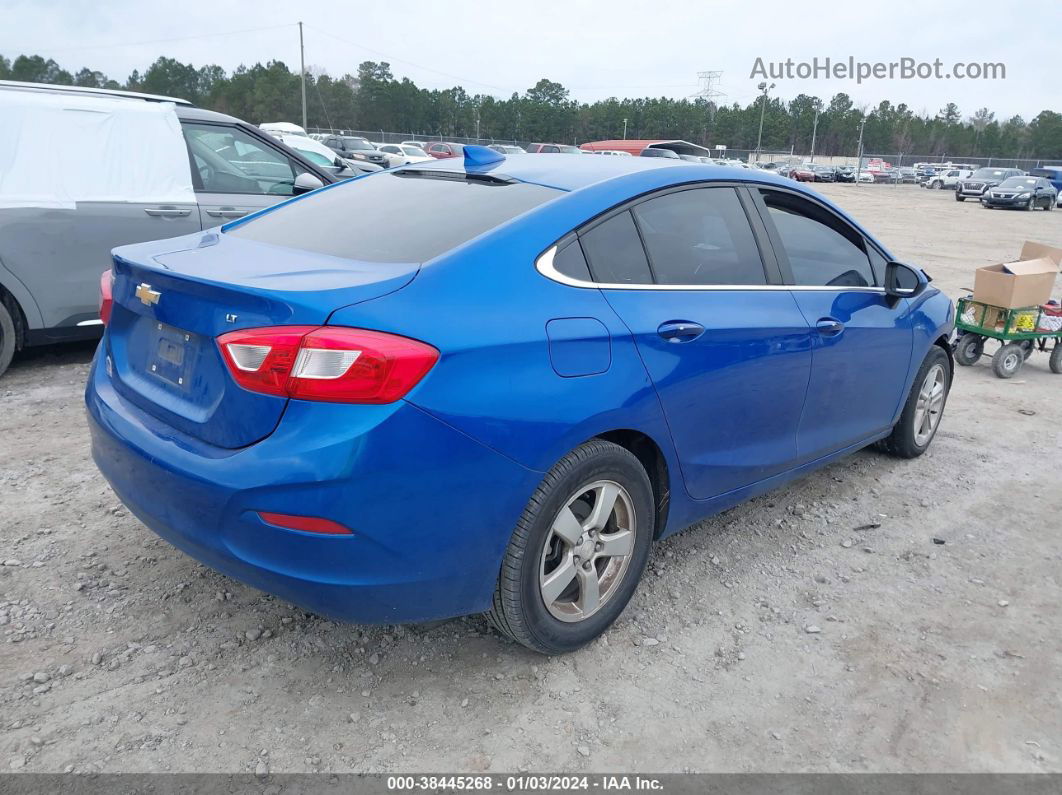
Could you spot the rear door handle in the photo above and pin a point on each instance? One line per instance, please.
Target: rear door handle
(168, 212)
(680, 330)
(829, 327)
(227, 212)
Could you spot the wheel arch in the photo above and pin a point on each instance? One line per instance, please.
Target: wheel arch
(652, 458)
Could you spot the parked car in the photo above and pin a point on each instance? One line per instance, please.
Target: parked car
(654, 151)
(442, 150)
(546, 149)
(946, 179)
(1052, 174)
(801, 173)
(975, 185)
(354, 147)
(510, 149)
(771, 166)
(404, 154)
(1025, 193)
(908, 176)
(320, 155)
(822, 173)
(865, 176)
(148, 167)
(278, 128)
(844, 174)
(419, 433)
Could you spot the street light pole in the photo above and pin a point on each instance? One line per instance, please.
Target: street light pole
(624, 129)
(859, 151)
(814, 130)
(763, 107)
(302, 66)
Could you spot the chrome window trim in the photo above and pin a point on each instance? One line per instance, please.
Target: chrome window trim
(544, 265)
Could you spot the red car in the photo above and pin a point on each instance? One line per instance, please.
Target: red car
(444, 150)
(802, 174)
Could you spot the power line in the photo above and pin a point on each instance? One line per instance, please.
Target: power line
(156, 41)
(402, 61)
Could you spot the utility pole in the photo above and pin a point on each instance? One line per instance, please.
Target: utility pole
(763, 107)
(302, 73)
(859, 150)
(709, 93)
(624, 129)
(815, 129)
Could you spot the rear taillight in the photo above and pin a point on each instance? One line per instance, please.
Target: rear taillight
(331, 363)
(106, 295)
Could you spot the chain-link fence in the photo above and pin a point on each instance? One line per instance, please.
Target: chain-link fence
(898, 160)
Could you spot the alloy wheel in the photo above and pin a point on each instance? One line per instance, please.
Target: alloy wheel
(930, 404)
(587, 551)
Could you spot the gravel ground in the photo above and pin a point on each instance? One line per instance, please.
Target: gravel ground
(879, 615)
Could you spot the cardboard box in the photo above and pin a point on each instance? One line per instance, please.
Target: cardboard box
(1028, 281)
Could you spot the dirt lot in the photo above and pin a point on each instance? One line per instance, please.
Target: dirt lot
(819, 628)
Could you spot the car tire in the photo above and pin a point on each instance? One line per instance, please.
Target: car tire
(1008, 360)
(959, 198)
(7, 336)
(1030, 205)
(532, 605)
(1050, 205)
(921, 415)
(968, 349)
(1055, 362)
(940, 185)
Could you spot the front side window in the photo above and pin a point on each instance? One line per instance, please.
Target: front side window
(229, 160)
(821, 249)
(699, 236)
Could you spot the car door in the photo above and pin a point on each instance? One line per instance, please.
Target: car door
(726, 347)
(862, 338)
(234, 172)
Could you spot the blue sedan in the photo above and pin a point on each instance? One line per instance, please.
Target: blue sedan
(488, 384)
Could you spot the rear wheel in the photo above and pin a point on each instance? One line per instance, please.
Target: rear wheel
(578, 550)
(7, 337)
(969, 348)
(924, 408)
(1008, 360)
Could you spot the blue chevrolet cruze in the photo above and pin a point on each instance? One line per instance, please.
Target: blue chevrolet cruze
(489, 384)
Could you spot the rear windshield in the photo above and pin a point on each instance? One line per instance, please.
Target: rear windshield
(388, 217)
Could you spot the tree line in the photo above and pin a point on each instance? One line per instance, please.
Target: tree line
(374, 99)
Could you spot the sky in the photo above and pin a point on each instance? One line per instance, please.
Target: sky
(595, 49)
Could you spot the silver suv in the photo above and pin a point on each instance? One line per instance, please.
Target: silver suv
(53, 253)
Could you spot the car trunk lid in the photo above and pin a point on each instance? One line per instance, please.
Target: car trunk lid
(171, 302)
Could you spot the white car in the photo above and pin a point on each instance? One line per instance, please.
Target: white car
(404, 154)
(865, 176)
(614, 152)
(948, 179)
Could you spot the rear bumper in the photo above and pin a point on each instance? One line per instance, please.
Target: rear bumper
(431, 510)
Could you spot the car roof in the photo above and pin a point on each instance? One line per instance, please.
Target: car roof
(89, 91)
(192, 113)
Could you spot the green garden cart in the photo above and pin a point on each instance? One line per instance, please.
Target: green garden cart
(1020, 332)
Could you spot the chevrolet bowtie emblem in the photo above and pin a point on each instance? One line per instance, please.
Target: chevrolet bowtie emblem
(146, 295)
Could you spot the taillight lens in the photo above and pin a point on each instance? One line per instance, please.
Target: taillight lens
(330, 363)
(106, 295)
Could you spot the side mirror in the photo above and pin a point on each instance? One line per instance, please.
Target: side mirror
(306, 182)
(903, 281)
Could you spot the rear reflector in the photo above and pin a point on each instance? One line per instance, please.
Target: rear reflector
(329, 363)
(106, 295)
(307, 524)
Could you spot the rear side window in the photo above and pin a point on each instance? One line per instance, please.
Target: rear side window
(822, 250)
(570, 261)
(700, 236)
(391, 218)
(615, 252)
